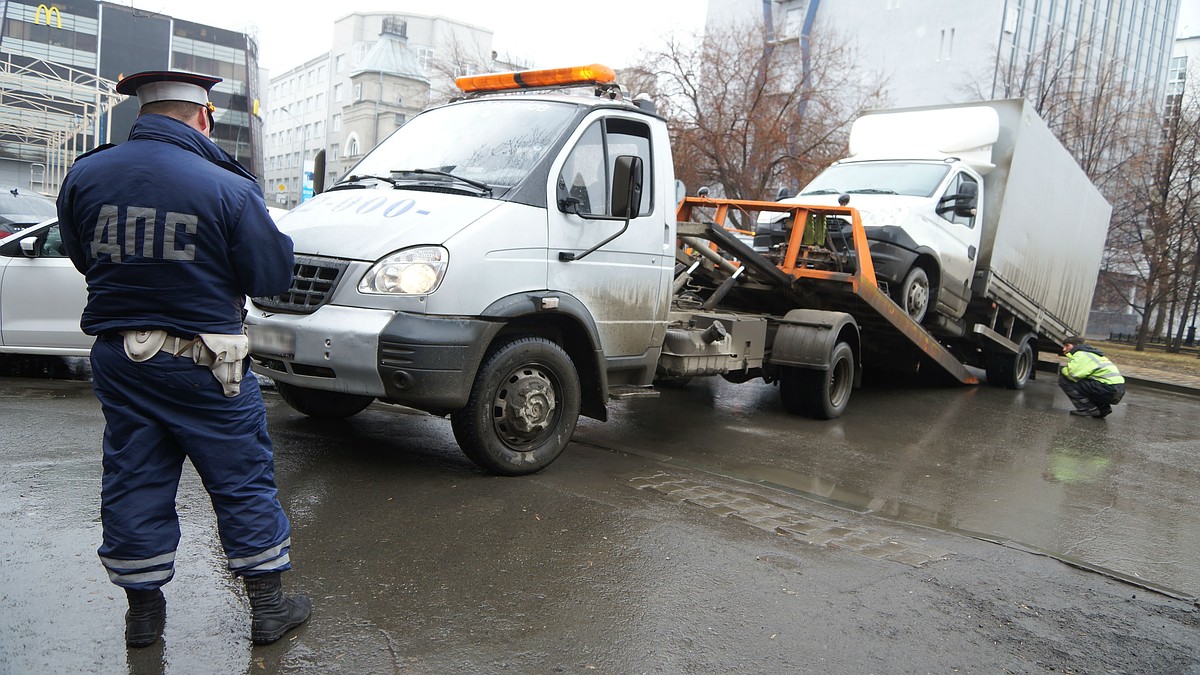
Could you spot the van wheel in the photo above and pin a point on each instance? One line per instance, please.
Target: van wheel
(820, 394)
(322, 404)
(522, 410)
(1013, 371)
(913, 294)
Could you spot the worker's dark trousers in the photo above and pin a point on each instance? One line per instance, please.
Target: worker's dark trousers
(1088, 395)
(159, 412)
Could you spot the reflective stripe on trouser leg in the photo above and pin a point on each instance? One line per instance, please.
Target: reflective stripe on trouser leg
(142, 464)
(226, 440)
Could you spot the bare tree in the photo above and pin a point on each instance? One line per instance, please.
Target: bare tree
(748, 115)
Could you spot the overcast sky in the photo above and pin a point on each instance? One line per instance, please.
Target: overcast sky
(547, 33)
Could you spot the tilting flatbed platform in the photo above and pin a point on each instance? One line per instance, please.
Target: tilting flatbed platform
(813, 277)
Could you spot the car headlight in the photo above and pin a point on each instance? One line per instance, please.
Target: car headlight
(413, 271)
(894, 215)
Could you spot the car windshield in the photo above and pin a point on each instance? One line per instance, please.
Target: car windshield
(901, 178)
(496, 143)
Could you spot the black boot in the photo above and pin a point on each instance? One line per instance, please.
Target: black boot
(145, 618)
(273, 613)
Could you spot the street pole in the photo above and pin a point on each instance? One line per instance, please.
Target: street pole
(303, 151)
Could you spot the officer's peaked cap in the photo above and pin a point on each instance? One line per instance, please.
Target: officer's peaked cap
(167, 85)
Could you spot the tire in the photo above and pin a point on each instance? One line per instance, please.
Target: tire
(820, 394)
(913, 295)
(523, 408)
(1013, 371)
(322, 404)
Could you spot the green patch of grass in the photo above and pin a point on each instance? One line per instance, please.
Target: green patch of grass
(1153, 357)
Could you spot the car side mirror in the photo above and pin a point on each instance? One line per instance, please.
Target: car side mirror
(966, 200)
(31, 247)
(627, 187)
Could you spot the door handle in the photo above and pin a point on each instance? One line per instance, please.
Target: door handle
(970, 253)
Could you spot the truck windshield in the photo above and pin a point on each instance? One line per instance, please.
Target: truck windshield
(901, 178)
(495, 143)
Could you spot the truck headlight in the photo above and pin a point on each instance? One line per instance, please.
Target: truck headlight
(413, 271)
(894, 215)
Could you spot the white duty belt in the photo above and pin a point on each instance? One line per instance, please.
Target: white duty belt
(221, 354)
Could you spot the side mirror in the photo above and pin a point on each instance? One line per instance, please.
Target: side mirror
(627, 187)
(966, 200)
(31, 247)
(319, 172)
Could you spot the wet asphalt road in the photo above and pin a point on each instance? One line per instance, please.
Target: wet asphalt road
(653, 544)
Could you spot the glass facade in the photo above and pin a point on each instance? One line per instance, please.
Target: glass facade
(61, 49)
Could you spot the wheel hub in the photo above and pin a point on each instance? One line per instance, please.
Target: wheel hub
(525, 404)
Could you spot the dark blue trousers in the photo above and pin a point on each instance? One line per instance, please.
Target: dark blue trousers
(158, 413)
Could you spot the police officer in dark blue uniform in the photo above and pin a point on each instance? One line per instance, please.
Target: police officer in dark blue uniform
(172, 234)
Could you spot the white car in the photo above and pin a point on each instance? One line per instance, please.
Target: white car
(41, 295)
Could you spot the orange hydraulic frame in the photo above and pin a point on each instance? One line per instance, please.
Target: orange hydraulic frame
(861, 282)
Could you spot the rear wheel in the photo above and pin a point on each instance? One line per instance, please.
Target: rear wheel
(522, 410)
(821, 394)
(323, 404)
(1013, 371)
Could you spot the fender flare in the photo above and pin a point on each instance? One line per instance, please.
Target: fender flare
(806, 338)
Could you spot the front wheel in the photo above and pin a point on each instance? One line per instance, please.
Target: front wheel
(821, 394)
(913, 296)
(323, 404)
(522, 410)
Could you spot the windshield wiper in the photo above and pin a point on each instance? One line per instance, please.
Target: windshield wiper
(822, 191)
(480, 185)
(873, 191)
(352, 182)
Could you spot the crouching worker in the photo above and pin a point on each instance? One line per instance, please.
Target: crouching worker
(1089, 379)
(172, 234)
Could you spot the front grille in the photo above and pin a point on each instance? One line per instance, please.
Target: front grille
(313, 282)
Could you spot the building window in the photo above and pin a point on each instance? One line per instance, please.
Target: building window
(333, 152)
(352, 146)
(401, 118)
(339, 63)
(358, 91)
(337, 92)
(946, 48)
(336, 123)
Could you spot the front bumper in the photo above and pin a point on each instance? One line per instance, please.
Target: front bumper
(423, 362)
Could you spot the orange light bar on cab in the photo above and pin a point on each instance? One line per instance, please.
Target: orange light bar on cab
(531, 79)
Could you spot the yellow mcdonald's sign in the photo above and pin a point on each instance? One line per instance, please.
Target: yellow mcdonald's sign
(52, 14)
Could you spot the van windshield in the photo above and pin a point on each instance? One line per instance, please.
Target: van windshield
(894, 178)
(493, 142)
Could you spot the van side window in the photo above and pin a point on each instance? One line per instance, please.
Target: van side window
(953, 189)
(583, 176)
(587, 172)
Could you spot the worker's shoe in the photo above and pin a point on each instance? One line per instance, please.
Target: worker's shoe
(145, 619)
(1103, 411)
(273, 613)
(1089, 412)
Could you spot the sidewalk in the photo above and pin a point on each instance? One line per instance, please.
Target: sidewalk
(1145, 377)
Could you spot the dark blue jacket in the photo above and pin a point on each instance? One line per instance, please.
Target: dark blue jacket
(170, 232)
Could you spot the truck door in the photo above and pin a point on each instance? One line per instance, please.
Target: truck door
(961, 248)
(623, 283)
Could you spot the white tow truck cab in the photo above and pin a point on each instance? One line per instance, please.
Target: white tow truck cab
(505, 259)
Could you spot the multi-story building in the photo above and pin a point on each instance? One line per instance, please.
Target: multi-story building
(382, 68)
(59, 64)
(947, 51)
